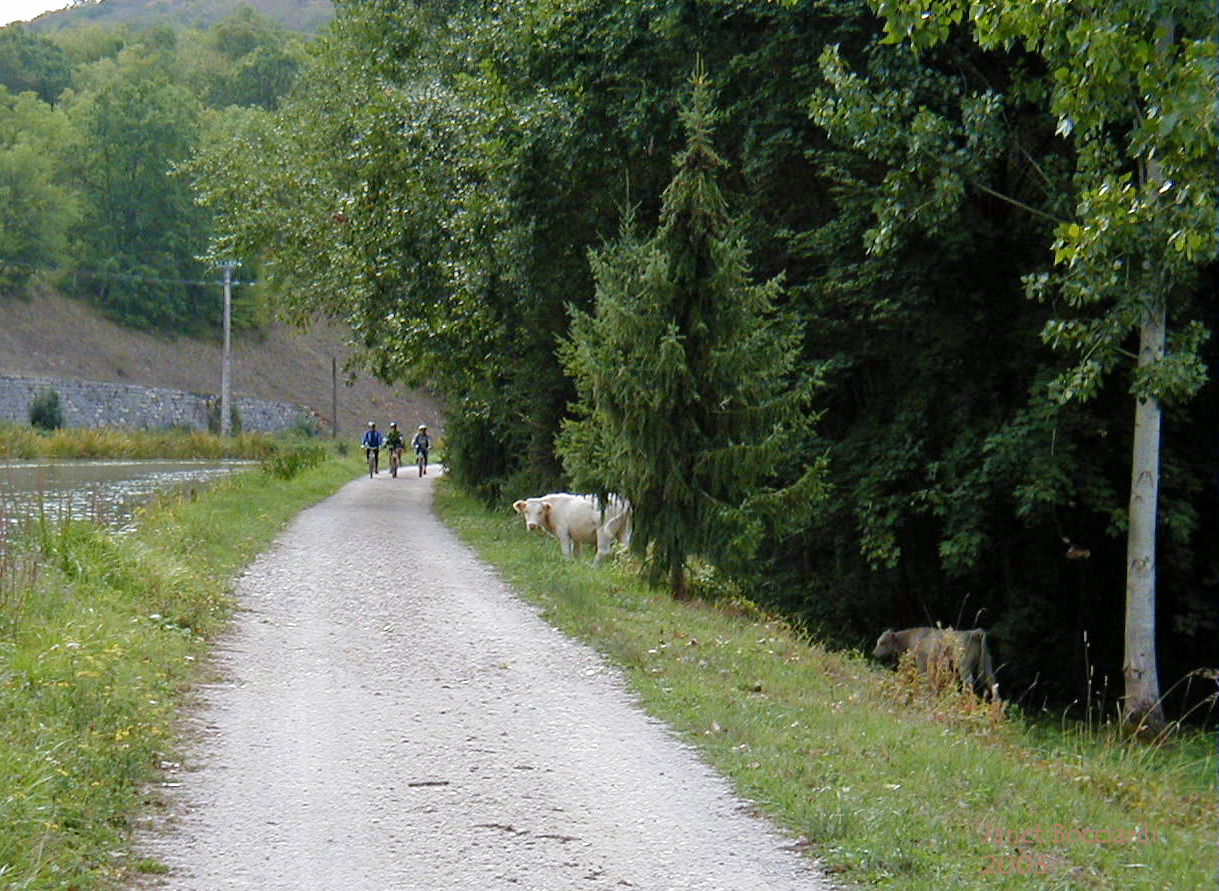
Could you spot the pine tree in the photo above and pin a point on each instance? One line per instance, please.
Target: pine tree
(689, 395)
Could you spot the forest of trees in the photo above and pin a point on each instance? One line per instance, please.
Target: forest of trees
(954, 239)
(94, 123)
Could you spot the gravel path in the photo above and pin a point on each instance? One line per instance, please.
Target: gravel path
(391, 717)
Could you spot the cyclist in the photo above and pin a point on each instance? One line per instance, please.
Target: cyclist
(371, 443)
(422, 442)
(394, 442)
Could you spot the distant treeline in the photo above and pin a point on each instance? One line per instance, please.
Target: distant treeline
(94, 122)
(296, 15)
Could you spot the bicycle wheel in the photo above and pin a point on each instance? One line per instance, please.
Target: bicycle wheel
(421, 463)
(372, 463)
(393, 463)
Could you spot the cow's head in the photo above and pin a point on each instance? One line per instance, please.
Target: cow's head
(535, 511)
(887, 645)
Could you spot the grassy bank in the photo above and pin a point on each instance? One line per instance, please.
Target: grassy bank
(888, 786)
(98, 637)
(25, 442)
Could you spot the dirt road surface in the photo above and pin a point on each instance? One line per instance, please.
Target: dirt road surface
(389, 717)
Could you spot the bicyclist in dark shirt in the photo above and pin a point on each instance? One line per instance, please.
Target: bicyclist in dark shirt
(422, 442)
(395, 442)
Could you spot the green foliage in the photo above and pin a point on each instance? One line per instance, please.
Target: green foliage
(1133, 89)
(140, 229)
(29, 63)
(88, 184)
(35, 207)
(213, 417)
(1144, 167)
(305, 426)
(245, 60)
(297, 15)
(45, 411)
(285, 464)
(689, 396)
(380, 194)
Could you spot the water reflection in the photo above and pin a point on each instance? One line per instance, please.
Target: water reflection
(107, 491)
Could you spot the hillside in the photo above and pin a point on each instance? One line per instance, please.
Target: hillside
(54, 336)
(298, 15)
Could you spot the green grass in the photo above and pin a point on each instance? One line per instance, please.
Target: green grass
(99, 636)
(890, 787)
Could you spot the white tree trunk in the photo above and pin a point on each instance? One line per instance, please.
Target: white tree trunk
(1142, 710)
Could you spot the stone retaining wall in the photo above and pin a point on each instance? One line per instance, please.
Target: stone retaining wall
(99, 404)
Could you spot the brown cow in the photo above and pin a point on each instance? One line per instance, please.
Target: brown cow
(964, 652)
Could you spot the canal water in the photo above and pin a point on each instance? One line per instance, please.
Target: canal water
(107, 491)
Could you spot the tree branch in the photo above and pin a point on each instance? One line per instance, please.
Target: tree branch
(1017, 203)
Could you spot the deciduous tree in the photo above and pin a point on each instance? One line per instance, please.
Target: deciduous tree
(35, 208)
(141, 229)
(1133, 89)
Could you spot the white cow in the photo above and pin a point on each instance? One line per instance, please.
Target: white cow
(577, 519)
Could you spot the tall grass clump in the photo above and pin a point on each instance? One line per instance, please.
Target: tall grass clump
(887, 783)
(99, 633)
(20, 441)
(287, 463)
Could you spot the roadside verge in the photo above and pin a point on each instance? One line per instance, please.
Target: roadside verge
(885, 785)
(99, 639)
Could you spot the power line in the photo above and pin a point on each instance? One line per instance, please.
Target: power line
(123, 276)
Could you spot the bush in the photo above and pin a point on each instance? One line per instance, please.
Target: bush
(213, 417)
(45, 411)
(287, 464)
(304, 426)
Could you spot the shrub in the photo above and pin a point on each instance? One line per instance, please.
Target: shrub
(305, 426)
(287, 464)
(213, 417)
(45, 411)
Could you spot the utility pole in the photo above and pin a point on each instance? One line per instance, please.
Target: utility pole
(334, 398)
(226, 420)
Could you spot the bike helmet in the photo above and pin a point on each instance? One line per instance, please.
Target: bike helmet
(372, 423)
(393, 424)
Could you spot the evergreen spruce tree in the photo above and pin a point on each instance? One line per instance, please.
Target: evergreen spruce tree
(690, 402)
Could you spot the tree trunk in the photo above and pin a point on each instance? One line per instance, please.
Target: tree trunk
(1141, 710)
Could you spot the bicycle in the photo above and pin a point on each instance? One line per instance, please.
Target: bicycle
(395, 461)
(372, 462)
(421, 461)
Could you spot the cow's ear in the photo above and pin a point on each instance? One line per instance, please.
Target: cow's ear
(546, 506)
(518, 506)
